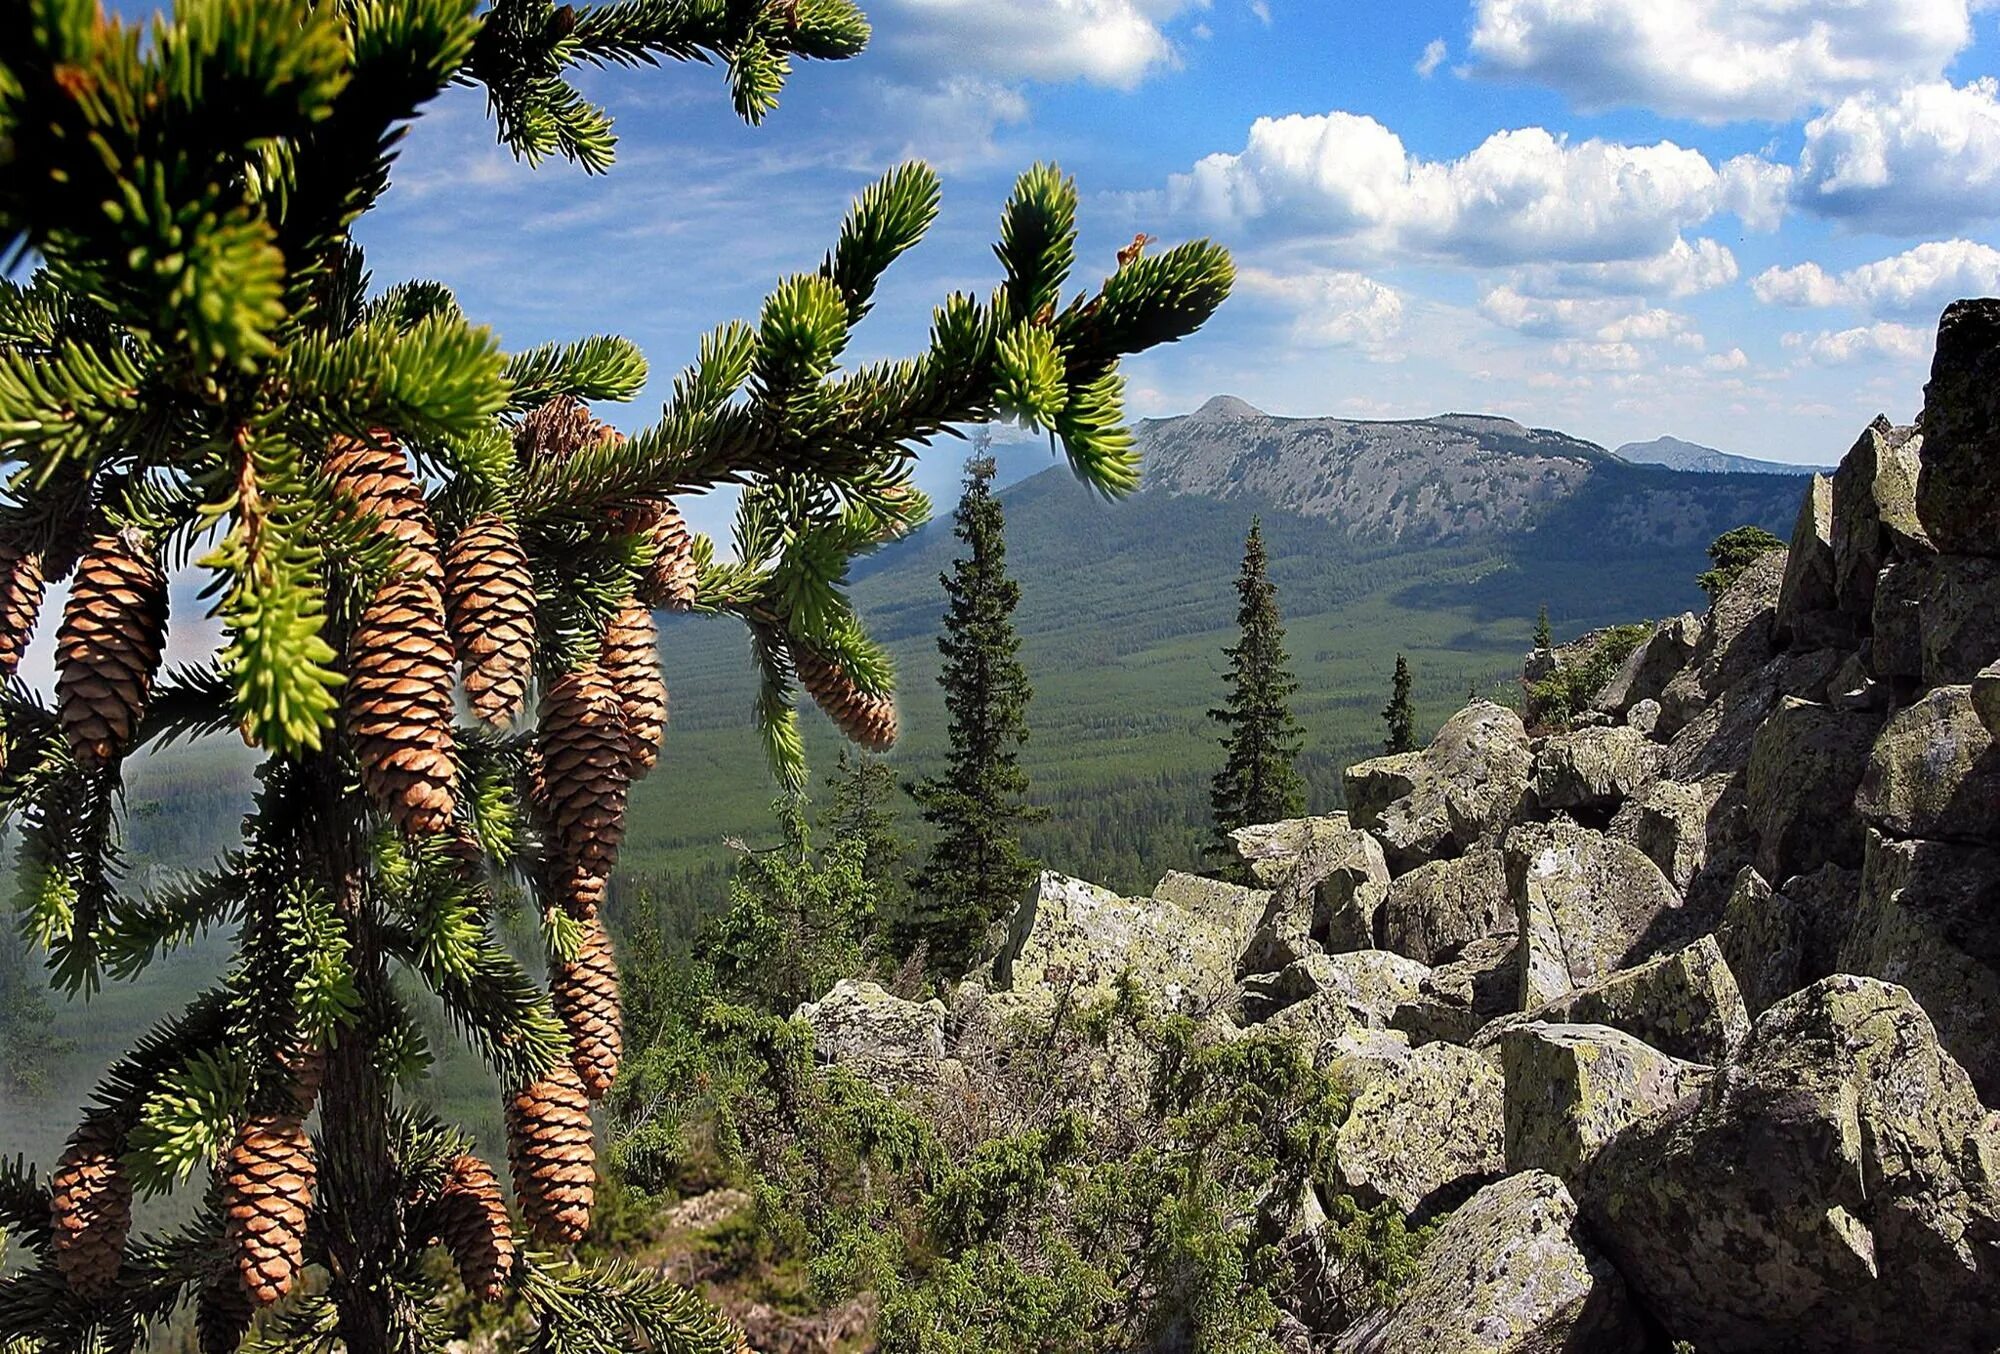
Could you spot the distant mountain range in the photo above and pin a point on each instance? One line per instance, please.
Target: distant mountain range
(1699, 460)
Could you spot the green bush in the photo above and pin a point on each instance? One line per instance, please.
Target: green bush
(1567, 691)
(1731, 553)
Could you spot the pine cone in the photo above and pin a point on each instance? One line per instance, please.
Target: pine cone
(91, 1208)
(585, 993)
(632, 666)
(671, 579)
(21, 586)
(553, 1156)
(586, 770)
(491, 608)
(108, 647)
(222, 1315)
(373, 472)
(473, 1225)
(580, 891)
(398, 703)
(866, 719)
(267, 1187)
(307, 1065)
(558, 430)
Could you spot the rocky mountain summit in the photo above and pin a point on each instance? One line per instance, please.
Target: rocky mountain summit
(1679, 1024)
(1697, 459)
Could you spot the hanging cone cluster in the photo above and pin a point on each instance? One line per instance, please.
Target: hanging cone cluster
(90, 1208)
(397, 703)
(866, 719)
(21, 586)
(632, 666)
(473, 1225)
(558, 429)
(108, 647)
(553, 1157)
(672, 577)
(585, 773)
(267, 1187)
(585, 993)
(373, 473)
(222, 1316)
(490, 605)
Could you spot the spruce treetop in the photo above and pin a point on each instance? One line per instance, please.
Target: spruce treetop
(200, 373)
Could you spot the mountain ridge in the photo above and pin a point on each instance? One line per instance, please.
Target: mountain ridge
(1694, 458)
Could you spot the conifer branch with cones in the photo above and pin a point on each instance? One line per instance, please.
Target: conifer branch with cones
(382, 508)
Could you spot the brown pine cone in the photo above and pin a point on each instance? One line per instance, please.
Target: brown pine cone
(267, 1188)
(671, 579)
(632, 666)
(585, 993)
(553, 1156)
(108, 647)
(398, 703)
(373, 472)
(473, 1225)
(21, 586)
(490, 597)
(558, 430)
(586, 770)
(866, 719)
(90, 1207)
(222, 1315)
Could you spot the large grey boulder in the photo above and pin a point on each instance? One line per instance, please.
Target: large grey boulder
(1805, 763)
(1510, 1272)
(1986, 696)
(1072, 935)
(1958, 483)
(1668, 820)
(1834, 1190)
(1686, 1004)
(1232, 907)
(1874, 512)
(1593, 771)
(1439, 908)
(885, 1039)
(1422, 1133)
(1458, 793)
(1935, 772)
(1809, 614)
(1959, 617)
(1456, 999)
(1778, 942)
(1654, 662)
(1366, 985)
(1718, 738)
(1329, 880)
(1736, 641)
(1572, 1088)
(1929, 920)
(1586, 906)
(1895, 647)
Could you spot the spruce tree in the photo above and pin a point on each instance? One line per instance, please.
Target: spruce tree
(383, 505)
(1259, 782)
(1545, 636)
(862, 811)
(976, 870)
(1399, 714)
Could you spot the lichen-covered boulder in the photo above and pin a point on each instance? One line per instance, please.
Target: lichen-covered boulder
(1234, 908)
(1805, 763)
(1686, 1004)
(1329, 880)
(1572, 1088)
(1958, 480)
(1585, 906)
(1809, 612)
(1510, 1272)
(1719, 736)
(1929, 920)
(1959, 617)
(1592, 771)
(1668, 820)
(1834, 1190)
(1874, 511)
(1934, 772)
(1778, 942)
(1735, 642)
(1458, 793)
(1895, 650)
(1650, 666)
(882, 1037)
(1436, 910)
(1986, 696)
(1456, 999)
(1073, 935)
(1367, 984)
(1422, 1133)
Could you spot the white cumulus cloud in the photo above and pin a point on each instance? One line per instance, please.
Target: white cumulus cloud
(1687, 267)
(1718, 60)
(1521, 196)
(1107, 42)
(1601, 319)
(1332, 308)
(1433, 57)
(1922, 159)
(1917, 283)
(1832, 348)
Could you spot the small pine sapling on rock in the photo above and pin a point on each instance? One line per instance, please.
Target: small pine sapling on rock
(384, 506)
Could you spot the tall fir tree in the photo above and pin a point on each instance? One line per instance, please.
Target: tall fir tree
(1259, 782)
(862, 810)
(976, 869)
(1400, 715)
(1545, 635)
(383, 505)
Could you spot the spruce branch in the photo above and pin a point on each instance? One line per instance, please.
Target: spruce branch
(611, 1309)
(602, 367)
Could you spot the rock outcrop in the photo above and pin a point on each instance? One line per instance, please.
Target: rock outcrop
(1572, 1088)
(1423, 1132)
(1584, 903)
(1458, 793)
(1434, 911)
